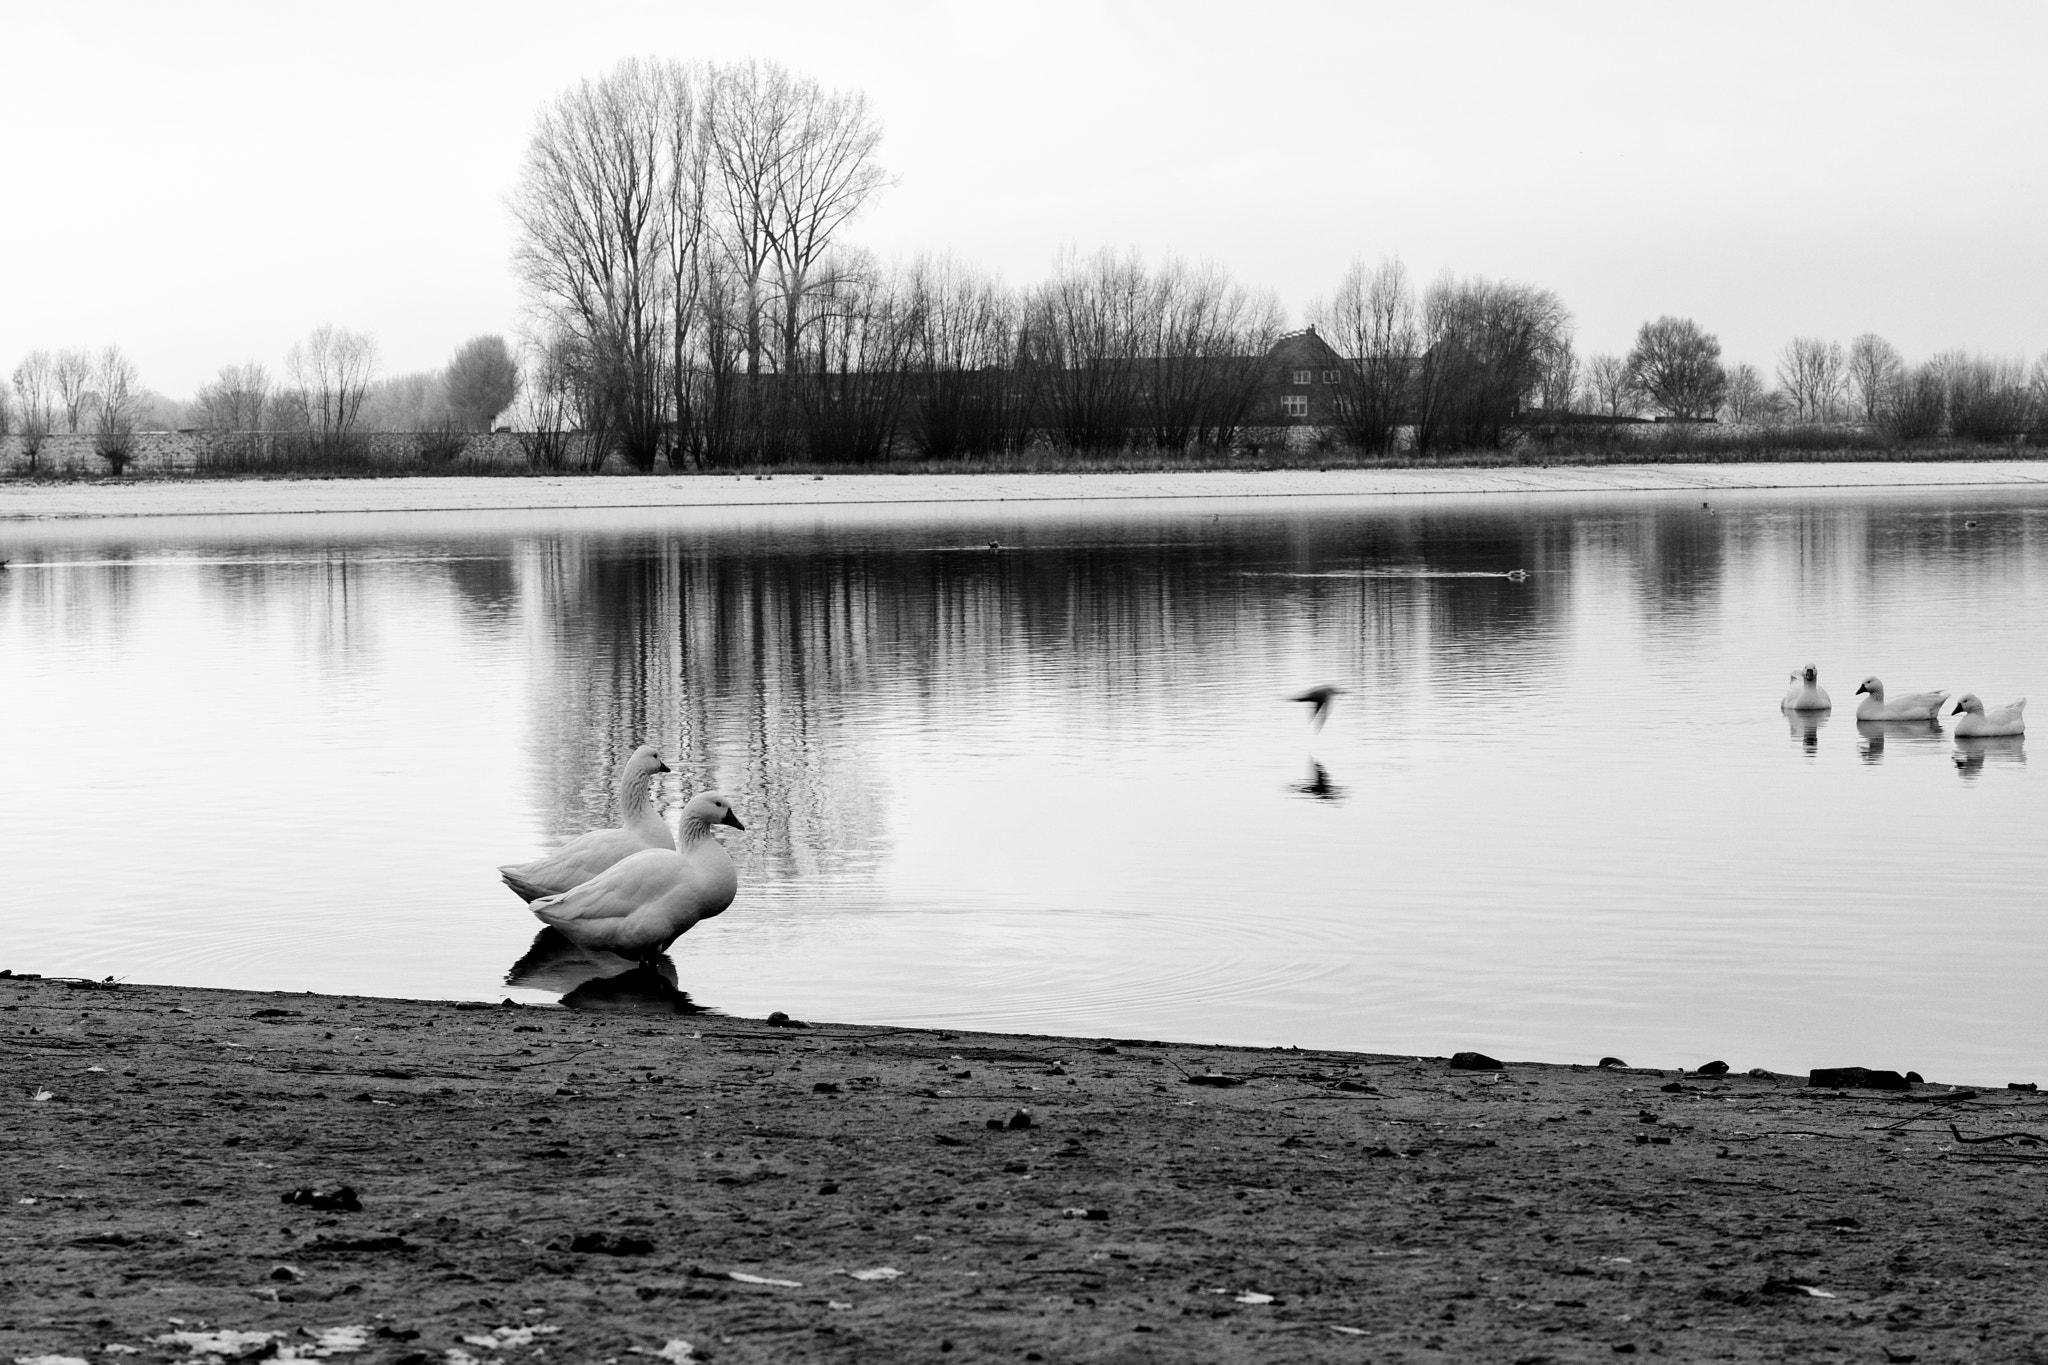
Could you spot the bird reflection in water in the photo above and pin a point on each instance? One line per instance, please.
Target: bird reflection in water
(1805, 727)
(1971, 755)
(600, 981)
(1874, 734)
(1318, 784)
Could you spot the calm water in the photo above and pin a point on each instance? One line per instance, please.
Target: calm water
(1057, 787)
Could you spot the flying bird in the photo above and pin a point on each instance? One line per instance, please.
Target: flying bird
(1319, 699)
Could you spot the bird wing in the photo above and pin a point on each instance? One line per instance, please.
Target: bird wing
(575, 862)
(1928, 701)
(615, 893)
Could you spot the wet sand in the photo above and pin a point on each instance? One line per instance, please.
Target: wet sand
(234, 497)
(584, 1185)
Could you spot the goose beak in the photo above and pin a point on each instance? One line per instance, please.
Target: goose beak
(662, 767)
(1861, 690)
(731, 819)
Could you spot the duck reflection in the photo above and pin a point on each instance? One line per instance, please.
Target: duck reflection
(1972, 755)
(1318, 784)
(1875, 734)
(1805, 727)
(600, 981)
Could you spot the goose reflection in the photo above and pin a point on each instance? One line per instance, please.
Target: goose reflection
(1805, 727)
(1874, 734)
(1972, 755)
(1318, 784)
(600, 981)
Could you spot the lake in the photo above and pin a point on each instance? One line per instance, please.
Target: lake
(1057, 786)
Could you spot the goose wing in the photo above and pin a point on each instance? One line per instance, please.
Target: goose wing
(627, 886)
(573, 863)
(1929, 702)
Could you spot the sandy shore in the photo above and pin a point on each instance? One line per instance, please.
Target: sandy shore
(254, 497)
(602, 1184)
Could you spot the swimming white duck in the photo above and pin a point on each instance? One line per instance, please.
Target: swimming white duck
(1806, 693)
(1916, 706)
(642, 903)
(640, 828)
(1973, 721)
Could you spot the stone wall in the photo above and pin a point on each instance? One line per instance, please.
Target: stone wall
(164, 451)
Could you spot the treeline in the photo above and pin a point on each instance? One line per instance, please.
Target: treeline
(680, 244)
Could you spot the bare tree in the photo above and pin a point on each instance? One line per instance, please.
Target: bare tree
(1743, 398)
(1557, 387)
(1612, 386)
(1203, 355)
(1678, 366)
(6, 411)
(1084, 335)
(35, 392)
(1371, 322)
(332, 369)
(480, 382)
(1874, 365)
(1810, 371)
(1987, 398)
(237, 401)
(794, 161)
(546, 417)
(71, 378)
(593, 242)
(1912, 408)
(117, 395)
(1484, 343)
(966, 400)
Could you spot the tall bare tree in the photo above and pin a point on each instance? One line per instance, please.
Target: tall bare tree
(1371, 322)
(593, 241)
(1084, 337)
(1678, 365)
(1484, 343)
(71, 379)
(331, 371)
(117, 396)
(1810, 371)
(1874, 365)
(1203, 351)
(35, 392)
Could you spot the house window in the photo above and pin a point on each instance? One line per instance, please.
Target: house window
(1294, 404)
(1303, 377)
(1329, 376)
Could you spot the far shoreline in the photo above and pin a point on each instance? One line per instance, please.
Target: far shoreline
(186, 497)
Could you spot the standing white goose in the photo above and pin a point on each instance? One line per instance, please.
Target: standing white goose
(1974, 722)
(640, 828)
(1806, 693)
(641, 904)
(1916, 706)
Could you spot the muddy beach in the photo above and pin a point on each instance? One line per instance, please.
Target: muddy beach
(194, 1174)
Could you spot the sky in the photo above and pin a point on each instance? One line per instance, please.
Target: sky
(203, 183)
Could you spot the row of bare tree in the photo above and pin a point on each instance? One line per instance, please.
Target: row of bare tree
(1675, 369)
(102, 391)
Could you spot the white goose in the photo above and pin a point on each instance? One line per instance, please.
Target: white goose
(1973, 721)
(640, 828)
(641, 904)
(1806, 693)
(1917, 706)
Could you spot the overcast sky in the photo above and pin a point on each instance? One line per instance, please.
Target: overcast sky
(204, 182)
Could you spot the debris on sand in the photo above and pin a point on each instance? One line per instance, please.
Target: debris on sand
(610, 1244)
(880, 1272)
(1475, 1061)
(327, 1198)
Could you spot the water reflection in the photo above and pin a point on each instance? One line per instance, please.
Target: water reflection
(1318, 784)
(1973, 753)
(599, 981)
(1873, 735)
(1805, 728)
